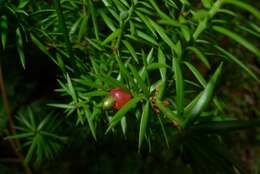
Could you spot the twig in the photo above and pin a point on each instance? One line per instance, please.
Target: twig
(15, 144)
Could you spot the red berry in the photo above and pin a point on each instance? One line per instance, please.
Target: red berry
(121, 97)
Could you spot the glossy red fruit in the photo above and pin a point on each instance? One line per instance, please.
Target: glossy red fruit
(121, 97)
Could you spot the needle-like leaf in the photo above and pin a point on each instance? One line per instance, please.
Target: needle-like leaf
(143, 124)
(251, 47)
(179, 86)
(204, 99)
(121, 113)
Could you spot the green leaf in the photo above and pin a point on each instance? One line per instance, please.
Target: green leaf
(229, 12)
(201, 27)
(119, 5)
(41, 47)
(90, 123)
(171, 115)
(250, 31)
(132, 28)
(112, 36)
(131, 50)
(114, 13)
(95, 44)
(83, 27)
(29, 154)
(159, 11)
(185, 30)
(40, 149)
(145, 11)
(108, 21)
(123, 71)
(179, 86)
(109, 80)
(200, 55)
(19, 46)
(149, 58)
(191, 105)
(139, 80)
(215, 8)
(4, 30)
(52, 135)
(164, 132)
(95, 94)
(71, 89)
(42, 11)
(63, 106)
(93, 18)
(173, 23)
(124, 16)
(125, 3)
(63, 29)
(231, 57)
(203, 82)
(162, 60)
(162, 33)
(196, 73)
(43, 123)
(22, 4)
(178, 50)
(107, 3)
(146, 37)
(172, 4)
(143, 124)
(185, 2)
(206, 3)
(146, 22)
(60, 62)
(200, 15)
(120, 114)
(205, 98)
(251, 47)
(20, 135)
(25, 122)
(255, 27)
(244, 6)
(154, 66)
(123, 125)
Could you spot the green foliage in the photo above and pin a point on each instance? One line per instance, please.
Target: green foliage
(157, 50)
(38, 136)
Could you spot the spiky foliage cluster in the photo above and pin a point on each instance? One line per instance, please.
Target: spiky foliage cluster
(168, 54)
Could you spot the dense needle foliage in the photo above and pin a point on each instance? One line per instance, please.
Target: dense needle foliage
(172, 56)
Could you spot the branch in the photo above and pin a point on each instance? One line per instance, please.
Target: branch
(15, 144)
